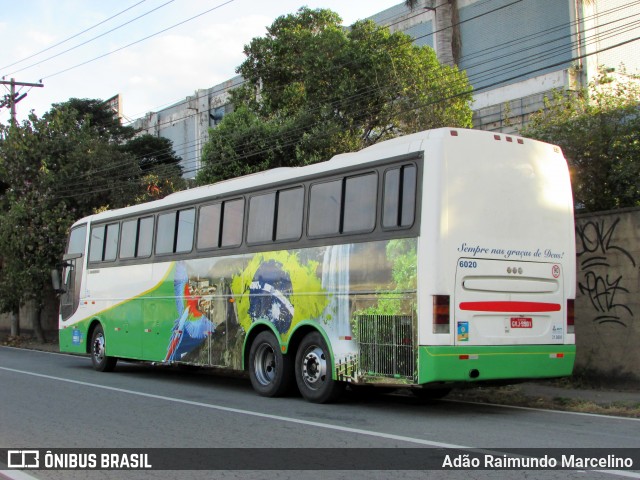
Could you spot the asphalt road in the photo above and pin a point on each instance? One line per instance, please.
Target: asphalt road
(58, 401)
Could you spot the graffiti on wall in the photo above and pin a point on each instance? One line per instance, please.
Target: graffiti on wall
(604, 286)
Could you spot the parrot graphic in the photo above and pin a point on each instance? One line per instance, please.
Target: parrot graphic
(192, 326)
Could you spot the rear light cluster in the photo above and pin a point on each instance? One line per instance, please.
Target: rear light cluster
(571, 316)
(441, 317)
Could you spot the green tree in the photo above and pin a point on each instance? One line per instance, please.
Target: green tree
(598, 130)
(74, 160)
(56, 169)
(161, 173)
(98, 114)
(314, 89)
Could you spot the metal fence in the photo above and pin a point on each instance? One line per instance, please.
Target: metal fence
(386, 346)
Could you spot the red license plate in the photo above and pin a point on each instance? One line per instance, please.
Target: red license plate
(521, 322)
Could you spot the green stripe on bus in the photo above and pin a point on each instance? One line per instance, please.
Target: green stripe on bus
(461, 364)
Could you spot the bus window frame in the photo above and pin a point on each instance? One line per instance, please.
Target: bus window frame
(417, 198)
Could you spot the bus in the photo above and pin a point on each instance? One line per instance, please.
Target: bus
(436, 259)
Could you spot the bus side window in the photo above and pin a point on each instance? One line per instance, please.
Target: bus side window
(165, 234)
(209, 226)
(325, 201)
(145, 237)
(77, 239)
(220, 224)
(111, 242)
(343, 206)
(282, 209)
(175, 231)
(262, 212)
(104, 243)
(97, 244)
(184, 235)
(232, 223)
(136, 238)
(398, 209)
(128, 239)
(360, 203)
(289, 215)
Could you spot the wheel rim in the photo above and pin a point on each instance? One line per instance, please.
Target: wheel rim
(264, 364)
(98, 348)
(314, 367)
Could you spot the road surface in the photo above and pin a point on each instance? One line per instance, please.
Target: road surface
(54, 401)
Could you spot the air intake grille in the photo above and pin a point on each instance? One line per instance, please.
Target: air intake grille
(386, 346)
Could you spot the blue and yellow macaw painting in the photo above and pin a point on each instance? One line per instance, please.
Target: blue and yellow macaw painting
(219, 300)
(192, 326)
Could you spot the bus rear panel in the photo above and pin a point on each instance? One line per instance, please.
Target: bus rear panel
(497, 261)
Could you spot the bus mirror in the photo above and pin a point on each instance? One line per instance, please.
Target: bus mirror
(55, 281)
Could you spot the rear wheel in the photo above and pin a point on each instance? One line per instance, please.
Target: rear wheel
(314, 369)
(101, 362)
(269, 370)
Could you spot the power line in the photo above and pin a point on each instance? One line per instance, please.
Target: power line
(409, 40)
(485, 87)
(413, 39)
(92, 39)
(140, 40)
(396, 20)
(506, 68)
(72, 37)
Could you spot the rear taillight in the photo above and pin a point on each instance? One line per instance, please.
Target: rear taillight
(571, 317)
(441, 317)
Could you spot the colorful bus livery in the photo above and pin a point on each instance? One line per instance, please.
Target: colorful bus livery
(436, 258)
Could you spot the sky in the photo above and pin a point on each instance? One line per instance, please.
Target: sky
(55, 41)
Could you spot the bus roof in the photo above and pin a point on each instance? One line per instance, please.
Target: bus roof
(394, 147)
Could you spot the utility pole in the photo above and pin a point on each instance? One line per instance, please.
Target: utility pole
(11, 99)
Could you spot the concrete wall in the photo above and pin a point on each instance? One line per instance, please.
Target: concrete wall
(608, 293)
(48, 318)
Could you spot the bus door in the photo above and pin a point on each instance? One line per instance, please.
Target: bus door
(502, 302)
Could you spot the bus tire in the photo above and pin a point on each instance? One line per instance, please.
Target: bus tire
(269, 370)
(314, 371)
(101, 362)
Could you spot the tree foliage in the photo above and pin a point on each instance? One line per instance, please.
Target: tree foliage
(160, 170)
(74, 160)
(314, 89)
(598, 130)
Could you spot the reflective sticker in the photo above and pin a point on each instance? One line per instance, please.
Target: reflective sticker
(557, 332)
(463, 331)
(76, 337)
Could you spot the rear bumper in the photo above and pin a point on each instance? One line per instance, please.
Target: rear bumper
(469, 364)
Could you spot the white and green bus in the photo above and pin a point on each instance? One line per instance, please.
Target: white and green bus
(426, 261)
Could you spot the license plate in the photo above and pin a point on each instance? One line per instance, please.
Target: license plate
(521, 322)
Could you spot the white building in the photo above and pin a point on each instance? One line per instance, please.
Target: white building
(514, 52)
